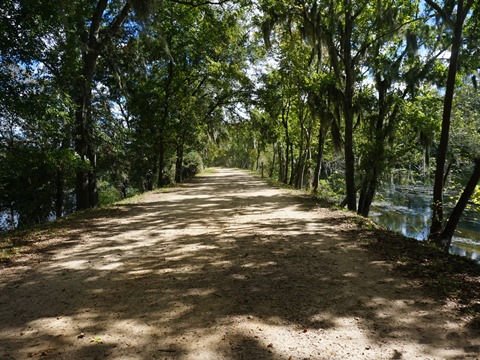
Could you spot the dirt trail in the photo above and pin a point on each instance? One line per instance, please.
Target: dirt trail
(225, 267)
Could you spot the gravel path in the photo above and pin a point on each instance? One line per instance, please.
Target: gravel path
(224, 267)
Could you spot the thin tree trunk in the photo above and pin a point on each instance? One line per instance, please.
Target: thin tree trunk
(285, 114)
(318, 167)
(281, 160)
(179, 163)
(348, 109)
(287, 161)
(300, 165)
(437, 206)
(300, 169)
(292, 167)
(82, 145)
(272, 168)
(161, 135)
(306, 162)
(445, 239)
(257, 161)
(161, 163)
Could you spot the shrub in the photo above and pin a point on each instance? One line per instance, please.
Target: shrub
(107, 193)
(192, 165)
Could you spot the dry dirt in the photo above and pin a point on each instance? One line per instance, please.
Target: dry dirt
(225, 267)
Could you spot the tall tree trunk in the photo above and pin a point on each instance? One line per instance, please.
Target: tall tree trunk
(348, 108)
(272, 167)
(318, 166)
(285, 114)
(161, 163)
(377, 152)
(83, 135)
(300, 169)
(179, 163)
(292, 167)
(306, 163)
(161, 132)
(287, 161)
(281, 160)
(60, 176)
(257, 160)
(437, 206)
(367, 192)
(300, 161)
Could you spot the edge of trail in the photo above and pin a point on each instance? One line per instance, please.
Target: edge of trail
(227, 266)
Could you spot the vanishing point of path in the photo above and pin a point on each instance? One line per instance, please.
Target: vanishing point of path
(224, 267)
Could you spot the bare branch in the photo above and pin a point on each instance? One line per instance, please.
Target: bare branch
(441, 12)
(115, 25)
(96, 21)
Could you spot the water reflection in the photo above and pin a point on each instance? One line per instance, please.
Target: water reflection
(406, 209)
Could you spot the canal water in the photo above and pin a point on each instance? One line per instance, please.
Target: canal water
(407, 210)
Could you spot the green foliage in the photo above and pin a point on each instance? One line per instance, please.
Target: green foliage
(476, 197)
(326, 192)
(180, 84)
(465, 135)
(192, 164)
(107, 193)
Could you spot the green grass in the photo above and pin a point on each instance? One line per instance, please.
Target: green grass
(207, 171)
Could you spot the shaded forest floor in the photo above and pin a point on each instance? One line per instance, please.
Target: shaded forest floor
(228, 267)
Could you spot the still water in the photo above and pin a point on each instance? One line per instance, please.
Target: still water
(406, 209)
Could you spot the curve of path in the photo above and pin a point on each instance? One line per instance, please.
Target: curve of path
(224, 267)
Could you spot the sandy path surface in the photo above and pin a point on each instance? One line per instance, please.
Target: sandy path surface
(225, 267)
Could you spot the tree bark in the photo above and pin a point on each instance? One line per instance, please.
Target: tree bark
(318, 166)
(281, 161)
(285, 114)
(272, 168)
(437, 206)
(348, 109)
(161, 131)
(292, 166)
(83, 140)
(302, 150)
(161, 163)
(377, 152)
(367, 192)
(257, 160)
(179, 163)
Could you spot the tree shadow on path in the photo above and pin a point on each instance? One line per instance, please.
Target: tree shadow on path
(224, 268)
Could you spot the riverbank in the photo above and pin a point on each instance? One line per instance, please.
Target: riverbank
(227, 267)
(407, 209)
